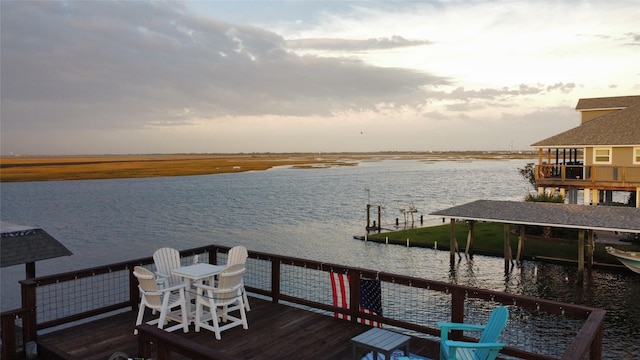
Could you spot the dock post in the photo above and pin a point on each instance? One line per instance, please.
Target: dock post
(581, 274)
(368, 216)
(581, 250)
(470, 237)
(507, 249)
(521, 236)
(452, 242)
(591, 244)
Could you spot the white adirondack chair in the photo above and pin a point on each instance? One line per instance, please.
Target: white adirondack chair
(166, 259)
(161, 300)
(238, 255)
(221, 301)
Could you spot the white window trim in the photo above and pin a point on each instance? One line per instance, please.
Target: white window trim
(610, 150)
(636, 155)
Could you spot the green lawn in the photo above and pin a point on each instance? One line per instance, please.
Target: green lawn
(488, 240)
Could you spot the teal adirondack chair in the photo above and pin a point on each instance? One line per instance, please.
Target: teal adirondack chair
(486, 348)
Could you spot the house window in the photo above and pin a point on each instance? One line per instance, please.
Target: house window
(602, 156)
(636, 155)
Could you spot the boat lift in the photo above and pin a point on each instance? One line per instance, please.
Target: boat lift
(409, 209)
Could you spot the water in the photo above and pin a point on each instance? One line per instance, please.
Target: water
(311, 213)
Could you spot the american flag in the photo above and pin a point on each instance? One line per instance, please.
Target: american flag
(370, 297)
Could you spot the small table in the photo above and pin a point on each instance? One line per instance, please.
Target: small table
(197, 273)
(380, 341)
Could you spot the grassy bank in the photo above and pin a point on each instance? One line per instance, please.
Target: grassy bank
(46, 168)
(488, 240)
(114, 167)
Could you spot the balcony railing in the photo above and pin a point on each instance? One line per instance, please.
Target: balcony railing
(618, 177)
(537, 328)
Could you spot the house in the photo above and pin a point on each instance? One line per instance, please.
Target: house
(600, 157)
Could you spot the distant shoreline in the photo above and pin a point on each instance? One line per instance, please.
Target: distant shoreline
(91, 167)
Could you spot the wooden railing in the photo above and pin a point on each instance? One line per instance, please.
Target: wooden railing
(609, 175)
(168, 343)
(11, 347)
(410, 304)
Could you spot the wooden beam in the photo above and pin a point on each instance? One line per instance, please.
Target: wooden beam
(30, 270)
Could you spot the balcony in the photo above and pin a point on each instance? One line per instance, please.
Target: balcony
(90, 313)
(604, 177)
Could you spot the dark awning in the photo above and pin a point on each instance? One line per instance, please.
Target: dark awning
(27, 244)
(609, 218)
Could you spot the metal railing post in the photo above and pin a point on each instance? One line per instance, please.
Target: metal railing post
(275, 280)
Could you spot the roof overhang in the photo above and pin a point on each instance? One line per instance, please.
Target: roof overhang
(27, 244)
(606, 218)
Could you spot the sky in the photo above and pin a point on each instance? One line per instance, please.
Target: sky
(143, 77)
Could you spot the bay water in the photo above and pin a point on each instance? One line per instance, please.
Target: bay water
(307, 213)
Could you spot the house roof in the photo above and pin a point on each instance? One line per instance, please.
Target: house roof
(26, 244)
(620, 128)
(618, 102)
(607, 218)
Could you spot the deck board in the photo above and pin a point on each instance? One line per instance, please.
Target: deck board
(275, 332)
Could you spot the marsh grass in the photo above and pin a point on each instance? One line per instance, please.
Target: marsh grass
(47, 168)
(83, 168)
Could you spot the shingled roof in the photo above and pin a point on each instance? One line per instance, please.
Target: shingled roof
(617, 102)
(608, 218)
(620, 128)
(27, 244)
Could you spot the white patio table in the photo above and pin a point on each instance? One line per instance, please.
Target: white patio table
(197, 273)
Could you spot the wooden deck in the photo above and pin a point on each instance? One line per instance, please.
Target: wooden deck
(275, 332)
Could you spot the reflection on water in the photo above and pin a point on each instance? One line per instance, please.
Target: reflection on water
(304, 213)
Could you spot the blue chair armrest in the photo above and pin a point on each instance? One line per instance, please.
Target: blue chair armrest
(459, 326)
(445, 327)
(473, 345)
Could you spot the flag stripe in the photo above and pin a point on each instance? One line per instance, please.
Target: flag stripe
(340, 286)
(370, 297)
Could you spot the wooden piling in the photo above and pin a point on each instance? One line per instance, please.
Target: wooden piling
(507, 249)
(581, 250)
(521, 236)
(452, 242)
(470, 237)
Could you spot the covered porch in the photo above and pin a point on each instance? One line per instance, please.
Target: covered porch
(586, 219)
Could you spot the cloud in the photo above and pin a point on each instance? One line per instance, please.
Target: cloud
(632, 38)
(129, 64)
(196, 76)
(562, 87)
(354, 45)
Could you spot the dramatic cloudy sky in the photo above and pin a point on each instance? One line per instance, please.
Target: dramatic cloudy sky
(108, 77)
